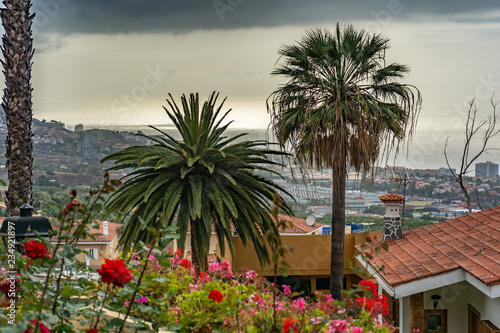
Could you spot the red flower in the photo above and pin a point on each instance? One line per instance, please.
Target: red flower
(74, 203)
(36, 250)
(42, 328)
(115, 272)
(204, 277)
(368, 285)
(92, 330)
(215, 295)
(5, 287)
(185, 263)
(291, 325)
(376, 305)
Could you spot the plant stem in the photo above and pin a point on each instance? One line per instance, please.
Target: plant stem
(102, 306)
(135, 291)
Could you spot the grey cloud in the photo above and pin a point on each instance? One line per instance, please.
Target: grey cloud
(178, 16)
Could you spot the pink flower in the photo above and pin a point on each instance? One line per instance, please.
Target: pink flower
(316, 320)
(227, 274)
(329, 298)
(356, 329)
(225, 265)
(286, 289)
(142, 300)
(338, 325)
(214, 267)
(299, 303)
(251, 275)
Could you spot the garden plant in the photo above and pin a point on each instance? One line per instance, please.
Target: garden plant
(158, 288)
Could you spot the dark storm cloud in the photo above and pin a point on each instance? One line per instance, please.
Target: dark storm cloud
(125, 16)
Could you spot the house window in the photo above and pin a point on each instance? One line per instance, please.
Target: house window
(91, 254)
(435, 321)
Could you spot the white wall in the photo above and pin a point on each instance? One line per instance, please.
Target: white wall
(455, 298)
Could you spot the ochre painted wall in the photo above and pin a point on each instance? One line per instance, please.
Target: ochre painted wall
(311, 254)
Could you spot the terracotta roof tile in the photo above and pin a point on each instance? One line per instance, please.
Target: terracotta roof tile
(299, 226)
(391, 197)
(470, 242)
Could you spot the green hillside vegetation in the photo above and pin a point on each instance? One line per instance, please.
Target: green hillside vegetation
(408, 224)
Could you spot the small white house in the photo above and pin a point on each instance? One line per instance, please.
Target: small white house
(443, 277)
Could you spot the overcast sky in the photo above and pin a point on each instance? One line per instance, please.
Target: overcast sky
(112, 62)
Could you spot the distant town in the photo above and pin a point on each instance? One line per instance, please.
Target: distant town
(72, 158)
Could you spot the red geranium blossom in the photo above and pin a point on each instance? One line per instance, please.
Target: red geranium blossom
(115, 272)
(42, 328)
(92, 330)
(368, 285)
(36, 250)
(215, 295)
(185, 263)
(204, 277)
(376, 305)
(291, 325)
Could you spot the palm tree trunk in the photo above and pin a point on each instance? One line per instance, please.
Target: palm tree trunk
(338, 230)
(18, 51)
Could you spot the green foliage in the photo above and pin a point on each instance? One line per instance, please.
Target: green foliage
(341, 101)
(341, 106)
(205, 181)
(375, 209)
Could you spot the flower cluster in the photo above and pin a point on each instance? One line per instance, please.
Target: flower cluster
(223, 268)
(291, 325)
(215, 295)
(41, 327)
(115, 272)
(375, 304)
(36, 250)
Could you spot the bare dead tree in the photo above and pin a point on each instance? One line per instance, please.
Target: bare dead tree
(474, 128)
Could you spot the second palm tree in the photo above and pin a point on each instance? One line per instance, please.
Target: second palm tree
(205, 181)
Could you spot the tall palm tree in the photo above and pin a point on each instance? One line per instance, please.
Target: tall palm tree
(205, 181)
(18, 51)
(341, 106)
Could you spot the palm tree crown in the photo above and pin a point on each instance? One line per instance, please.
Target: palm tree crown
(341, 106)
(206, 181)
(341, 98)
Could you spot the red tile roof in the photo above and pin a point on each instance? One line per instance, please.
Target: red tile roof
(299, 226)
(391, 197)
(470, 242)
(99, 236)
